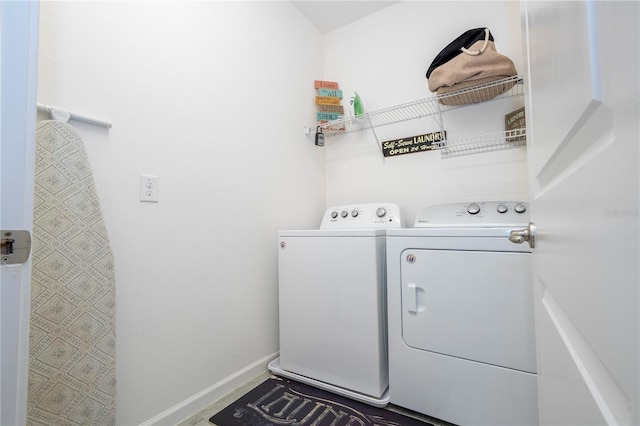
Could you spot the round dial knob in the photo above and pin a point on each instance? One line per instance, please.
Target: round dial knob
(381, 212)
(520, 208)
(473, 208)
(334, 214)
(502, 208)
(354, 213)
(344, 213)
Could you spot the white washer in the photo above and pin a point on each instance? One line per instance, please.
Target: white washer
(332, 285)
(460, 310)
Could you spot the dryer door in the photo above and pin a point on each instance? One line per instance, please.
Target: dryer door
(470, 304)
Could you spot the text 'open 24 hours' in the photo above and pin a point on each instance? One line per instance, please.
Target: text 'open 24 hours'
(413, 144)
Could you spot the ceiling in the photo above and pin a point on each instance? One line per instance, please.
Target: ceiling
(330, 15)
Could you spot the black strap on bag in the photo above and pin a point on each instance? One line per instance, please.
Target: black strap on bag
(454, 48)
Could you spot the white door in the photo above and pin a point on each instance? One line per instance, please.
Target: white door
(582, 126)
(19, 41)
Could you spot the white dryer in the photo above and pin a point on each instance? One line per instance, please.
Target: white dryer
(460, 310)
(332, 295)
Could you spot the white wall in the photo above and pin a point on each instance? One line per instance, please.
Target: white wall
(384, 57)
(211, 97)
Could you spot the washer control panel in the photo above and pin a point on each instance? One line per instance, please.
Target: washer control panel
(484, 213)
(361, 216)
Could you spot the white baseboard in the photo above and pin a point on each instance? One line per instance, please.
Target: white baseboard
(197, 402)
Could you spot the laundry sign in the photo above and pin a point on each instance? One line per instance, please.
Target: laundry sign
(413, 144)
(332, 93)
(320, 84)
(515, 124)
(328, 98)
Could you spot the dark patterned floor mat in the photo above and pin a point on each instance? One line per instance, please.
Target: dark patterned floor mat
(278, 401)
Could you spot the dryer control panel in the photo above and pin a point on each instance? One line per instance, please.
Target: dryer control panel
(478, 213)
(362, 216)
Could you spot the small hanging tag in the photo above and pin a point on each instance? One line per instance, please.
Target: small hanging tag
(319, 136)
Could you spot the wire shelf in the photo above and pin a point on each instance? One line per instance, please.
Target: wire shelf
(435, 105)
(485, 143)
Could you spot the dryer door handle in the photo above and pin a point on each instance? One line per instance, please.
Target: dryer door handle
(413, 298)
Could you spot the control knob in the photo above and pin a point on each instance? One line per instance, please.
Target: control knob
(473, 208)
(334, 214)
(354, 213)
(344, 213)
(381, 212)
(502, 208)
(520, 208)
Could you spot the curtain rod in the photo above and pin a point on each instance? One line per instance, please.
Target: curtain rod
(63, 115)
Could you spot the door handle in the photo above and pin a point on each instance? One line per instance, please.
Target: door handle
(519, 236)
(414, 299)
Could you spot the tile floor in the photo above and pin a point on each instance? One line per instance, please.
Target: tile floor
(201, 418)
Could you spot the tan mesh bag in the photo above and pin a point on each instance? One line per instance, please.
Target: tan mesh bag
(460, 67)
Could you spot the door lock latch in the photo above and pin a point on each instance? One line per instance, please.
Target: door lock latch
(15, 246)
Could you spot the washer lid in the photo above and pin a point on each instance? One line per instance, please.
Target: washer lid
(483, 214)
